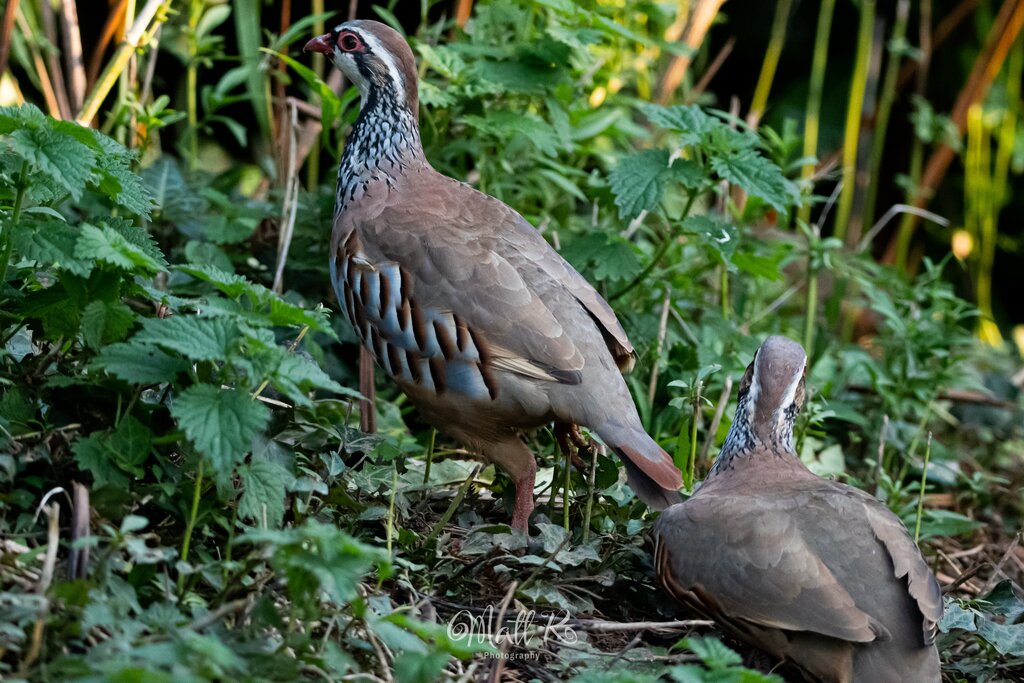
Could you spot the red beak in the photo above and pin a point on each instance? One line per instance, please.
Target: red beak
(321, 44)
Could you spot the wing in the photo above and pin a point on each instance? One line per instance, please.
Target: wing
(463, 288)
(906, 559)
(757, 568)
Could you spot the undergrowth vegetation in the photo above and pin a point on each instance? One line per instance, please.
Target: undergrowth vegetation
(185, 493)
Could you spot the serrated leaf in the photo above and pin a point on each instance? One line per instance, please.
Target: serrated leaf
(758, 177)
(505, 125)
(117, 180)
(618, 261)
(712, 652)
(264, 486)
(636, 181)
(716, 234)
(104, 322)
(129, 444)
(50, 243)
(296, 375)
(93, 457)
(138, 363)
(65, 160)
(689, 121)
(196, 338)
(221, 423)
(109, 245)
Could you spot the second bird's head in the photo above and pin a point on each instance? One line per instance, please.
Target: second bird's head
(375, 57)
(772, 393)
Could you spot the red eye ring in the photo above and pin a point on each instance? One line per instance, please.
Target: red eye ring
(349, 42)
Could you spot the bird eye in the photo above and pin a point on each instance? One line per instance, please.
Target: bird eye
(348, 42)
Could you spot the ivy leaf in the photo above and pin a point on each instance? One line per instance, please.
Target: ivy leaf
(636, 181)
(196, 338)
(104, 322)
(138, 363)
(757, 176)
(264, 485)
(220, 422)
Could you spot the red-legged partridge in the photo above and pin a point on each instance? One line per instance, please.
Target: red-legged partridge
(461, 301)
(807, 569)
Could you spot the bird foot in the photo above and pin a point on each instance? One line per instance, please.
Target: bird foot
(572, 442)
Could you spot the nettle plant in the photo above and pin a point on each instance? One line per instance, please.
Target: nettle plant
(149, 382)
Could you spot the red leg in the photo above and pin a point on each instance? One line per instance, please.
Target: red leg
(524, 499)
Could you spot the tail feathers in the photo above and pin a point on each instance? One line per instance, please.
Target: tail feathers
(650, 471)
(646, 489)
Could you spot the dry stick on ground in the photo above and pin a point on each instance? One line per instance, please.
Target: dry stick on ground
(998, 569)
(78, 558)
(662, 332)
(700, 22)
(1005, 29)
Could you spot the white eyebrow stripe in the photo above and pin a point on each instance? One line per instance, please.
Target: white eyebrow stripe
(383, 55)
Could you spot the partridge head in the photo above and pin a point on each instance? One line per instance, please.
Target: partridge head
(486, 329)
(810, 570)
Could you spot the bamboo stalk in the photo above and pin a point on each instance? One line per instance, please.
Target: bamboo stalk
(892, 68)
(73, 54)
(700, 23)
(855, 104)
(51, 94)
(6, 30)
(1001, 37)
(817, 86)
(56, 71)
(153, 14)
(771, 62)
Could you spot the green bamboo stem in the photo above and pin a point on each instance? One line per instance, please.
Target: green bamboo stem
(812, 118)
(865, 40)
(888, 96)
(771, 60)
(153, 14)
(691, 458)
(430, 456)
(812, 306)
(195, 10)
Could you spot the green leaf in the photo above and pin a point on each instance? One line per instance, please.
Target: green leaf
(637, 180)
(104, 322)
(506, 125)
(59, 156)
(264, 486)
(714, 233)
(117, 180)
(689, 121)
(139, 363)
(93, 457)
(129, 444)
(417, 667)
(297, 375)
(118, 248)
(758, 177)
(712, 652)
(197, 338)
(50, 243)
(220, 422)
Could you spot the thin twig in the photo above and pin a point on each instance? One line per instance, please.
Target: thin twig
(723, 400)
